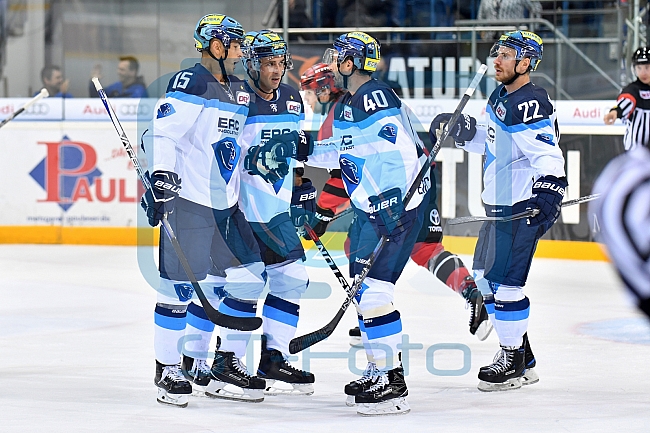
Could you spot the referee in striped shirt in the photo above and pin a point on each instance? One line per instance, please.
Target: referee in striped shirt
(633, 104)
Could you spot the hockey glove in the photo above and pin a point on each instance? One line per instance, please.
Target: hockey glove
(388, 212)
(295, 144)
(259, 161)
(548, 192)
(303, 205)
(159, 200)
(464, 129)
(322, 218)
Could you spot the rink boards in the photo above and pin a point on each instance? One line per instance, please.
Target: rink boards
(67, 178)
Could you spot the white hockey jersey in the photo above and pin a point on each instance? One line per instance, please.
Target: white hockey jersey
(259, 200)
(373, 145)
(195, 133)
(520, 144)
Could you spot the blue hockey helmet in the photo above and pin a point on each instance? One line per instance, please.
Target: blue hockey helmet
(363, 48)
(265, 43)
(526, 44)
(222, 27)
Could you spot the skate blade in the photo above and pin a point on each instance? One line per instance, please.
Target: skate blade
(177, 400)
(514, 383)
(484, 329)
(394, 406)
(229, 391)
(356, 342)
(349, 401)
(277, 387)
(530, 377)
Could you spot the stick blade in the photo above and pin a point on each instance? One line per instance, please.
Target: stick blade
(236, 323)
(299, 344)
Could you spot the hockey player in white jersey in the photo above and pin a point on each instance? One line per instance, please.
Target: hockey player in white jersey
(195, 138)
(523, 169)
(379, 160)
(274, 108)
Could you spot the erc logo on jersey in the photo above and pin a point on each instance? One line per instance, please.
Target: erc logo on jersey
(294, 107)
(351, 170)
(645, 94)
(500, 111)
(165, 110)
(227, 153)
(389, 132)
(243, 98)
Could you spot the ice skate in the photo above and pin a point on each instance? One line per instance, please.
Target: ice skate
(479, 321)
(355, 337)
(281, 377)
(362, 384)
(530, 376)
(173, 388)
(387, 396)
(505, 372)
(231, 380)
(196, 371)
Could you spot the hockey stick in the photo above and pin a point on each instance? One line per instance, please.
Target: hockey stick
(520, 215)
(328, 258)
(42, 94)
(345, 212)
(216, 317)
(301, 343)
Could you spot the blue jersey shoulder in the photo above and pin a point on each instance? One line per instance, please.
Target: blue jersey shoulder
(372, 97)
(198, 81)
(528, 104)
(288, 101)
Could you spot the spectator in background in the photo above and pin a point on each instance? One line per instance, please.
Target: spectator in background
(507, 10)
(298, 18)
(53, 81)
(367, 13)
(329, 13)
(130, 84)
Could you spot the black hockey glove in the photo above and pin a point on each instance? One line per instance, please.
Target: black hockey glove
(322, 218)
(303, 205)
(463, 130)
(388, 212)
(295, 144)
(259, 161)
(548, 192)
(159, 200)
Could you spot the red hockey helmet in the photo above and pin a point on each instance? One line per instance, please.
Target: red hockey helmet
(317, 78)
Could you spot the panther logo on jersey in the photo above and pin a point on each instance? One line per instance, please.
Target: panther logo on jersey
(351, 170)
(165, 110)
(184, 291)
(389, 132)
(227, 152)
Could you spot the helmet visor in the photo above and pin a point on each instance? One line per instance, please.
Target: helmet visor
(330, 56)
(504, 52)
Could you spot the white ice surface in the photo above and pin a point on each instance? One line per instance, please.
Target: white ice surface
(76, 355)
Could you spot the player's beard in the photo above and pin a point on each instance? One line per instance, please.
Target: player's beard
(506, 76)
(338, 79)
